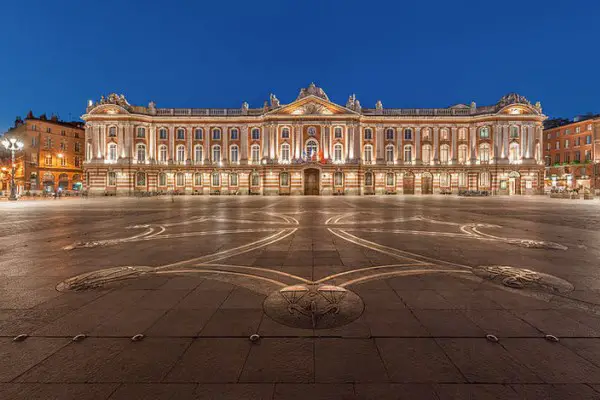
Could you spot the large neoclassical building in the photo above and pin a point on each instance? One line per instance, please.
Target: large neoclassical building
(313, 146)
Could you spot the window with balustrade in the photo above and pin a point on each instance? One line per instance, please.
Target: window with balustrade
(426, 134)
(112, 152)
(389, 153)
(444, 154)
(408, 153)
(513, 153)
(163, 134)
(484, 153)
(216, 134)
(216, 153)
(285, 153)
(255, 134)
(180, 154)
(368, 134)
(426, 154)
(234, 154)
(198, 134)
(337, 152)
(162, 153)
(255, 153)
(198, 153)
(462, 153)
(368, 154)
(141, 152)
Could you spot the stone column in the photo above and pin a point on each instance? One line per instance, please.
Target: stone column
(472, 144)
(349, 135)
(225, 149)
(454, 133)
(298, 139)
(436, 145)
(325, 142)
(379, 144)
(95, 135)
(103, 142)
(399, 146)
(152, 140)
(505, 149)
(522, 141)
(207, 155)
(130, 142)
(244, 145)
(417, 155)
(190, 148)
(497, 137)
(171, 143)
(272, 141)
(265, 141)
(276, 141)
(120, 141)
(531, 143)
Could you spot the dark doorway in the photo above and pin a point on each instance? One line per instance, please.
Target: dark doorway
(427, 184)
(311, 181)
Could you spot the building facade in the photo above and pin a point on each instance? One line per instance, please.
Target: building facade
(314, 146)
(52, 156)
(572, 154)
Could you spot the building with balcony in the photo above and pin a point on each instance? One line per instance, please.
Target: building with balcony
(314, 146)
(52, 156)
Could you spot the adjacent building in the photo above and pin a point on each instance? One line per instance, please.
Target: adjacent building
(314, 146)
(52, 156)
(572, 153)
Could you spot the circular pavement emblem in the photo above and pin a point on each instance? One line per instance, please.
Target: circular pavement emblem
(313, 306)
(521, 278)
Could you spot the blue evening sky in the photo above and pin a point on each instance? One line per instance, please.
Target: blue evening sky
(55, 55)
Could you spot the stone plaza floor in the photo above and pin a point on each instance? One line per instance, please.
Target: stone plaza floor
(391, 297)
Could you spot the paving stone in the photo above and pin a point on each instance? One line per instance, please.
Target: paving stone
(244, 298)
(425, 300)
(501, 323)
(394, 323)
(280, 360)
(481, 361)
(211, 360)
(203, 298)
(394, 391)
(233, 322)
(128, 322)
(348, 360)
(446, 323)
(155, 391)
(250, 391)
(289, 391)
(18, 357)
(554, 322)
(57, 391)
(476, 392)
(555, 392)
(417, 361)
(181, 322)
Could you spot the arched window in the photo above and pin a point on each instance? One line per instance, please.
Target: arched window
(141, 152)
(444, 153)
(255, 153)
(312, 147)
(337, 152)
(112, 178)
(198, 179)
(235, 134)
(462, 153)
(198, 133)
(180, 153)
(140, 179)
(368, 179)
(162, 179)
(180, 179)
(389, 153)
(337, 132)
(484, 133)
(338, 179)
(444, 135)
(368, 134)
(216, 179)
(513, 153)
(408, 153)
(390, 179)
(484, 153)
(255, 134)
(462, 134)
(426, 156)
(484, 179)
(514, 132)
(163, 134)
(233, 179)
(216, 134)
(462, 179)
(112, 152)
(180, 134)
(284, 179)
(426, 133)
(389, 134)
(255, 179)
(445, 180)
(198, 153)
(112, 131)
(285, 153)
(285, 133)
(408, 134)
(141, 132)
(312, 131)
(162, 153)
(216, 153)
(368, 153)
(234, 154)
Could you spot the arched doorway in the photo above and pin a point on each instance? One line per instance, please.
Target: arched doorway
(311, 181)
(514, 183)
(408, 183)
(426, 183)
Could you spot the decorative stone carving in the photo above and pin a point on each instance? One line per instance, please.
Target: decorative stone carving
(513, 98)
(112, 98)
(379, 105)
(312, 90)
(274, 101)
(245, 107)
(152, 108)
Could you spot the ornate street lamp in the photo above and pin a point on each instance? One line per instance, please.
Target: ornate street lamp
(13, 145)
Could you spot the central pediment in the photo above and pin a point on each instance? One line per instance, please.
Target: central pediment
(311, 105)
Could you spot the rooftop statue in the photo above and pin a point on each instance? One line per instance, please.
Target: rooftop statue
(312, 90)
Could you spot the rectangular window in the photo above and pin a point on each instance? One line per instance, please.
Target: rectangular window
(233, 180)
(48, 160)
(48, 130)
(589, 127)
(63, 133)
(577, 130)
(408, 134)
(588, 155)
(567, 131)
(577, 156)
(234, 134)
(557, 145)
(568, 157)
(557, 159)
(234, 154)
(63, 162)
(33, 141)
(588, 139)
(112, 179)
(566, 143)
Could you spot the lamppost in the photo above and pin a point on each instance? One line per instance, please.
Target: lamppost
(13, 145)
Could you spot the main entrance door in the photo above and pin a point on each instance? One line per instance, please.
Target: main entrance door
(426, 184)
(311, 181)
